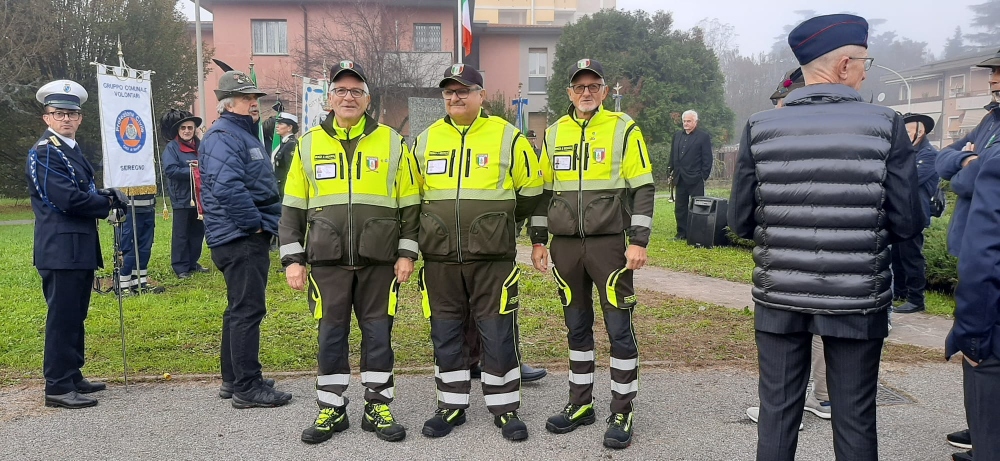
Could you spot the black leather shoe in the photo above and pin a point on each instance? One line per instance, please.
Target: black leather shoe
(530, 373)
(86, 387)
(71, 400)
(908, 308)
(260, 396)
(184, 275)
(200, 268)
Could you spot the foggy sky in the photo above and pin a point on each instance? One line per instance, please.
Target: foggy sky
(757, 22)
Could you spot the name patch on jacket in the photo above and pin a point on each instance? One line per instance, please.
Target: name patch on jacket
(256, 153)
(326, 171)
(562, 162)
(438, 166)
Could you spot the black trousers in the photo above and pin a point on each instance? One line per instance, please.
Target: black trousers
(187, 240)
(485, 292)
(244, 263)
(67, 293)
(684, 189)
(908, 266)
(581, 263)
(372, 292)
(852, 381)
(982, 407)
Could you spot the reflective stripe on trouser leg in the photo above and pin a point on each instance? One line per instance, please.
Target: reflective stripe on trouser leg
(501, 378)
(494, 300)
(330, 296)
(576, 288)
(447, 306)
(374, 306)
(624, 359)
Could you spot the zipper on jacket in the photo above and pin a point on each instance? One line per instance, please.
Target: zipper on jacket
(350, 198)
(579, 193)
(458, 191)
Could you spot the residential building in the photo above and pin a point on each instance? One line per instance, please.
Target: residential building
(537, 12)
(952, 92)
(413, 37)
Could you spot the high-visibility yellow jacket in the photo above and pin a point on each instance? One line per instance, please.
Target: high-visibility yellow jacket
(475, 182)
(351, 198)
(598, 179)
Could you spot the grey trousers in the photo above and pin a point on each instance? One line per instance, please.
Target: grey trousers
(819, 370)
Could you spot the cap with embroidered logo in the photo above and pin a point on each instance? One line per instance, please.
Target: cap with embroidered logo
(586, 65)
(62, 94)
(347, 66)
(462, 73)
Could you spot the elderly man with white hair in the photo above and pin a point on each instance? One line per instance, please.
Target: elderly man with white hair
(690, 166)
(824, 186)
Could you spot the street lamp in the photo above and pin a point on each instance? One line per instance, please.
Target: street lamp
(904, 83)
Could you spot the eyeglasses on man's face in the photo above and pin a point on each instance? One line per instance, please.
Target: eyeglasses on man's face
(187, 128)
(60, 116)
(593, 88)
(868, 62)
(354, 92)
(462, 93)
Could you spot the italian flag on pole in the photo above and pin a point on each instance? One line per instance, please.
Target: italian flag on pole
(466, 28)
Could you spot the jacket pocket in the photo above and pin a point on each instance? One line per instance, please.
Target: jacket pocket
(489, 234)
(323, 242)
(379, 239)
(434, 237)
(509, 300)
(603, 215)
(562, 219)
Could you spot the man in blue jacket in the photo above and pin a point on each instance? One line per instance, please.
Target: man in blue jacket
(241, 211)
(973, 167)
(908, 263)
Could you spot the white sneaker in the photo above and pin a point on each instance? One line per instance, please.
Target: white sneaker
(814, 406)
(754, 412)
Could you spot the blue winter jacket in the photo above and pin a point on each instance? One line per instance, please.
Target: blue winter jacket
(986, 138)
(974, 239)
(238, 190)
(927, 178)
(175, 165)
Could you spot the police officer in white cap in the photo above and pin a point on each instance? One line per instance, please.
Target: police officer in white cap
(67, 205)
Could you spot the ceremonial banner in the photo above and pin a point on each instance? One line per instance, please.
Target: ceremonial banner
(313, 100)
(127, 130)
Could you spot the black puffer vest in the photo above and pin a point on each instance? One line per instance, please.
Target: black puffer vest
(822, 243)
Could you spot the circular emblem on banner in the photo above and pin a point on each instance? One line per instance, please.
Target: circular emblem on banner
(130, 131)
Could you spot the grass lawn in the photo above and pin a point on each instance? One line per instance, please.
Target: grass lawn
(177, 332)
(730, 263)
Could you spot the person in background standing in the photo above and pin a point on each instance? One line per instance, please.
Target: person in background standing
(180, 160)
(690, 166)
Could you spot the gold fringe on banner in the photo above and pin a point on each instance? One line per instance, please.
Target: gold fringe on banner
(138, 190)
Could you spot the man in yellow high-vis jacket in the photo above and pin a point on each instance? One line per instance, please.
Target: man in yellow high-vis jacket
(598, 205)
(350, 213)
(478, 174)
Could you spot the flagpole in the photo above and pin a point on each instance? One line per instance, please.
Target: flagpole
(460, 49)
(201, 60)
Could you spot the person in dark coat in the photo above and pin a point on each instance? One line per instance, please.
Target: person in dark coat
(690, 166)
(287, 126)
(973, 168)
(180, 159)
(822, 210)
(67, 248)
(241, 211)
(908, 264)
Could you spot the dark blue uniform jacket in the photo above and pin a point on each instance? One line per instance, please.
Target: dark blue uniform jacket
(66, 206)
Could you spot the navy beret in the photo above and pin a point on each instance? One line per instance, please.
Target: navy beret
(823, 34)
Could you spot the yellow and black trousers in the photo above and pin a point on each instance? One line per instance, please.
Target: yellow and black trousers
(372, 292)
(486, 292)
(581, 263)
